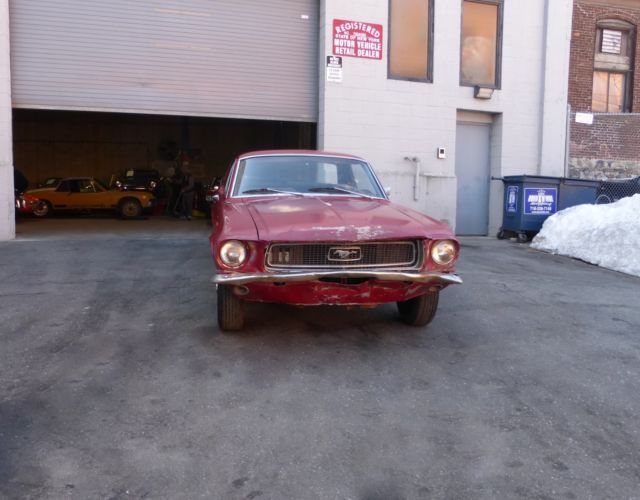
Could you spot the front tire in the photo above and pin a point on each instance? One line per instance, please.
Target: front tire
(420, 310)
(130, 208)
(230, 310)
(42, 209)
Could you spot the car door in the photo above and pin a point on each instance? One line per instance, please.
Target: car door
(61, 197)
(82, 194)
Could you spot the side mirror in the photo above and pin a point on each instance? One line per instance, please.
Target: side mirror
(212, 194)
(387, 191)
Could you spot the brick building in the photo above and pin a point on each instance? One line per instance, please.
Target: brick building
(604, 89)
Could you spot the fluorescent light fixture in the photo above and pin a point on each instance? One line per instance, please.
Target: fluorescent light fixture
(482, 92)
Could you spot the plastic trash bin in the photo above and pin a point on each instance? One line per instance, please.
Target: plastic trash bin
(528, 201)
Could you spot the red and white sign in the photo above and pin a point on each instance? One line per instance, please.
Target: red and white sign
(356, 39)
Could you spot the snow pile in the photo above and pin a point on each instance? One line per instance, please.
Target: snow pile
(605, 235)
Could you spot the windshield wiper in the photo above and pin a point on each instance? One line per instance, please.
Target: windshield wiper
(334, 189)
(270, 190)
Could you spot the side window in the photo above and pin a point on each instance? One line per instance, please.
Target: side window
(612, 67)
(480, 51)
(361, 177)
(85, 186)
(64, 187)
(345, 175)
(411, 40)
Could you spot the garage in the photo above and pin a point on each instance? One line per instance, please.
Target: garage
(99, 88)
(105, 145)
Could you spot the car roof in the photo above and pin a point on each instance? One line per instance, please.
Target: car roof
(296, 152)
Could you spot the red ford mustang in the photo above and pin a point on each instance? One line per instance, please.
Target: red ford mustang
(310, 228)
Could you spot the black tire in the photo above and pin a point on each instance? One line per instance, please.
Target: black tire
(230, 310)
(130, 208)
(501, 234)
(523, 237)
(419, 311)
(603, 199)
(42, 209)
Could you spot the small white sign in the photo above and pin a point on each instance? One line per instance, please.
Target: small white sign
(586, 118)
(334, 69)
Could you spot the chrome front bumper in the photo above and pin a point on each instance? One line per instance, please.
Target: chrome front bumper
(425, 277)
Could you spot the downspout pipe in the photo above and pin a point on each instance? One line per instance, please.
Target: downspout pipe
(416, 180)
(556, 45)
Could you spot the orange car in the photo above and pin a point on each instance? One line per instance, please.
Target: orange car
(88, 194)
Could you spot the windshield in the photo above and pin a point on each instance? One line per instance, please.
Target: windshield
(277, 175)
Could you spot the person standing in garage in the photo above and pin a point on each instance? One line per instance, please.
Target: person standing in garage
(20, 182)
(186, 192)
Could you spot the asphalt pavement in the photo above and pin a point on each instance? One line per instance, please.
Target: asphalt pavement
(115, 382)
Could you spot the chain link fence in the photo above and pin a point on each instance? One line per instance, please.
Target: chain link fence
(605, 147)
(611, 191)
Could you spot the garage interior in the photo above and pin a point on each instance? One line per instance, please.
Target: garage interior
(98, 89)
(68, 143)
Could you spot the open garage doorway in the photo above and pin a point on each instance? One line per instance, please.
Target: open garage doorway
(60, 144)
(102, 145)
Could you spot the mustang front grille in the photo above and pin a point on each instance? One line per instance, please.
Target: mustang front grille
(355, 255)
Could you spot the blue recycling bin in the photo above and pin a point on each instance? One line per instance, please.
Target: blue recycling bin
(530, 199)
(577, 192)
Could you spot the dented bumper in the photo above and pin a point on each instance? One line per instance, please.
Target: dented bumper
(428, 277)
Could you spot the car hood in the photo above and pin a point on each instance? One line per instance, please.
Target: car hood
(334, 218)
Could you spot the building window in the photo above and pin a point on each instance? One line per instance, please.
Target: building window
(481, 43)
(612, 67)
(411, 40)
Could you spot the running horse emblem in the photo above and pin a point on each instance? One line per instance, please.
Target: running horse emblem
(351, 254)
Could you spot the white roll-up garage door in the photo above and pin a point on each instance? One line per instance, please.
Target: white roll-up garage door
(224, 58)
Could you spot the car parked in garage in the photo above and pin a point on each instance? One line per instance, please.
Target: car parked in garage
(49, 182)
(139, 179)
(86, 194)
(310, 228)
(26, 203)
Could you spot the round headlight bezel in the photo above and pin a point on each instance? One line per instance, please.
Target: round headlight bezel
(228, 259)
(444, 252)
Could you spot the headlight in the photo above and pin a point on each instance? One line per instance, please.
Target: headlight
(233, 253)
(152, 184)
(443, 252)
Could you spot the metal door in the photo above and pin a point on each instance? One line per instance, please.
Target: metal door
(473, 142)
(224, 58)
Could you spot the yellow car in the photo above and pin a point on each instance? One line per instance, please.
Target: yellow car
(82, 194)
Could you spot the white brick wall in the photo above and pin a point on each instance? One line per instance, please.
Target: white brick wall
(7, 216)
(387, 120)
